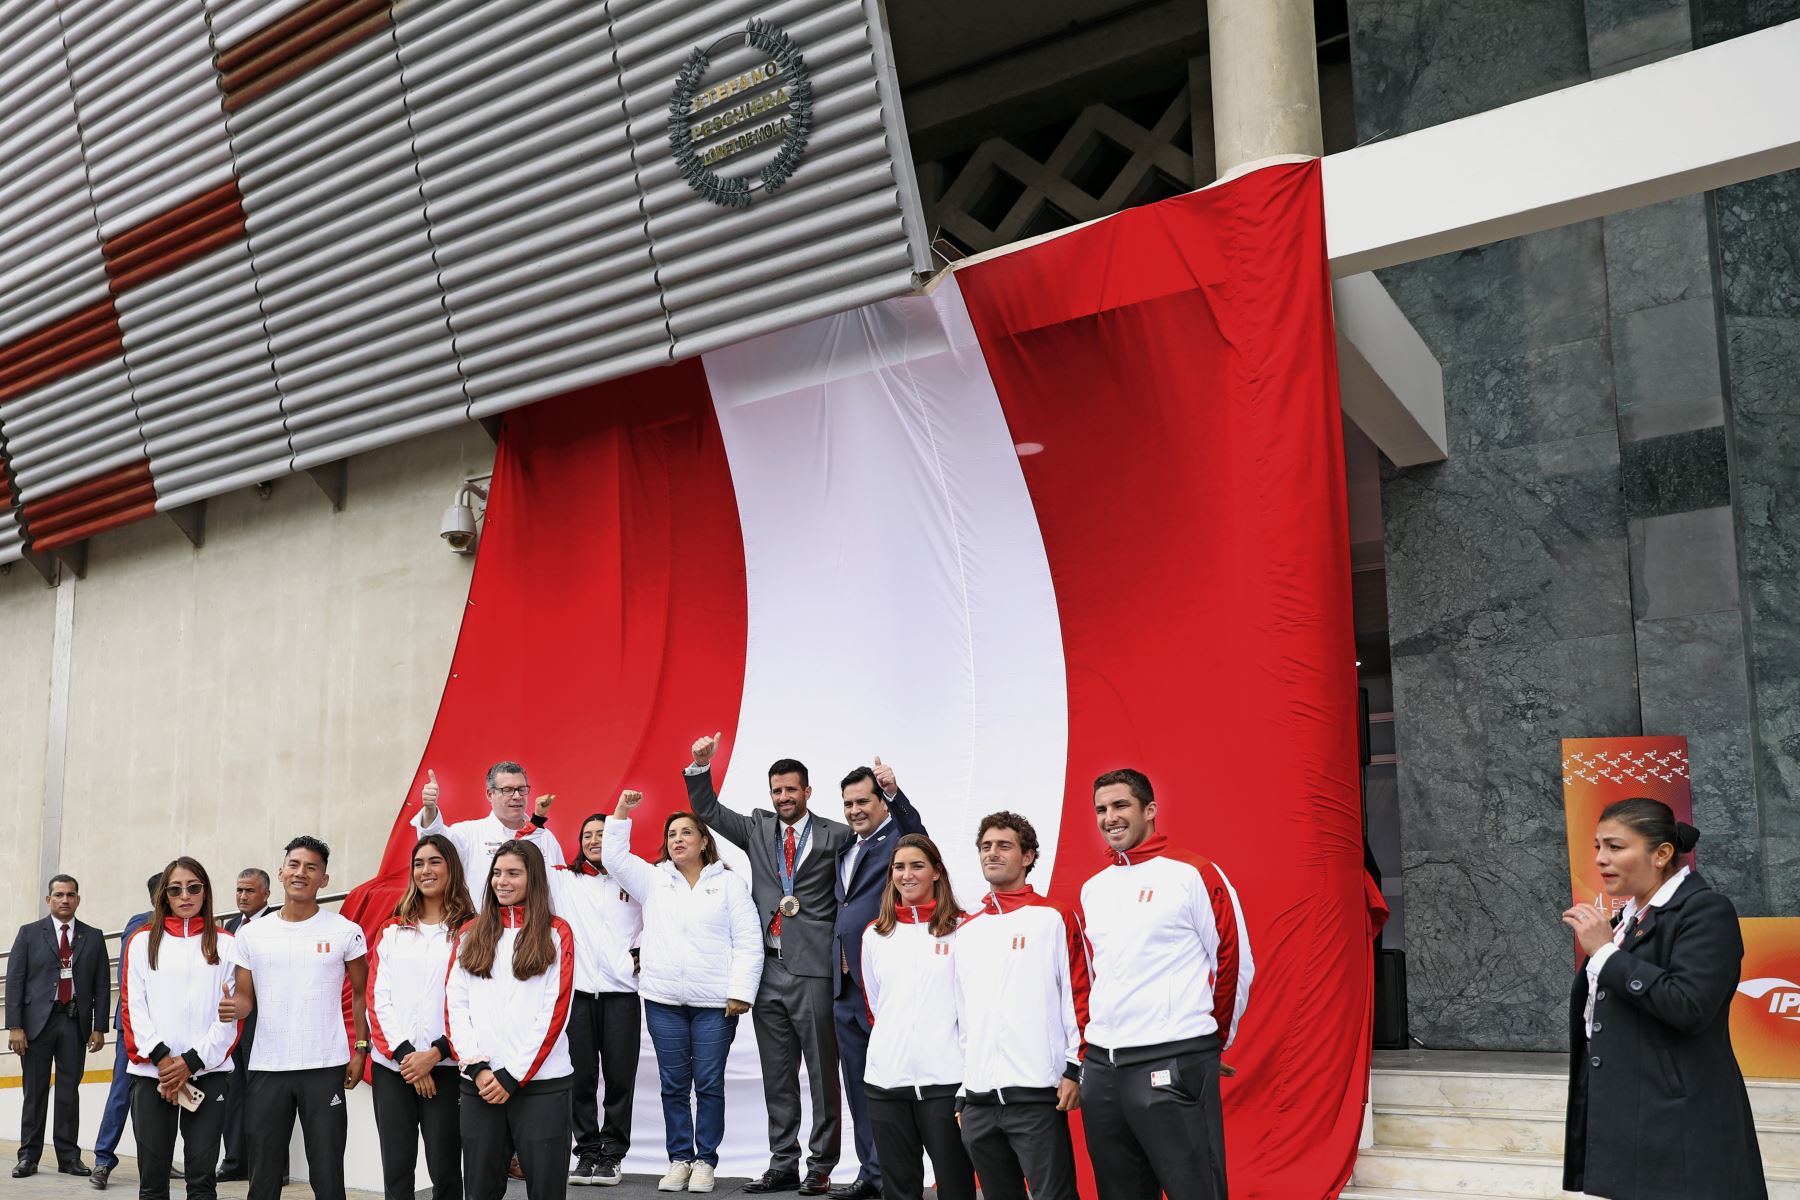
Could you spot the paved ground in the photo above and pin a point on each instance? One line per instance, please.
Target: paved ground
(48, 1184)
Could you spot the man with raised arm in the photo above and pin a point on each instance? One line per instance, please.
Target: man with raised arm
(879, 815)
(792, 852)
(1021, 1001)
(477, 839)
(290, 971)
(1170, 968)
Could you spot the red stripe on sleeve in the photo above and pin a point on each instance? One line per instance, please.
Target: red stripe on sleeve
(565, 988)
(455, 949)
(1225, 976)
(1076, 936)
(380, 1034)
(131, 1046)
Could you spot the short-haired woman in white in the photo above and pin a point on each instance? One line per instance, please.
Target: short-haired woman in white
(701, 961)
(175, 971)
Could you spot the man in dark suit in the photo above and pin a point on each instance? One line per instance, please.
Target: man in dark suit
(879, 815)
(57, 987)
(252, 905)
(791, 854)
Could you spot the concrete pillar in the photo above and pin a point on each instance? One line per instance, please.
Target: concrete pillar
(1265, 80)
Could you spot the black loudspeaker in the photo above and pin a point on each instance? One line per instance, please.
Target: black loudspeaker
(1390, 1000)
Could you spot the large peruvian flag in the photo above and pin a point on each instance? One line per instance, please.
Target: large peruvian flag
(1081, 506)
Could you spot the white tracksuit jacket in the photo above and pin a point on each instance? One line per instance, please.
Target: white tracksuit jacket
(408, 967)
(174, 1008)
(1021, 993)
(608, 923)
(909, 985)
(1169, 958)
(518, 1028)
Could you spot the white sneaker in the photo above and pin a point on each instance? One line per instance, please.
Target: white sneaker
(677, 1178)
(701, 1180)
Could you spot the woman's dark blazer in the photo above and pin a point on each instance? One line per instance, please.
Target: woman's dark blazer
(1671, 1117)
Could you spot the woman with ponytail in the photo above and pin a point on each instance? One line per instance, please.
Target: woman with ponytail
(915, 1062)
(1657, 1106)
(507, 1008)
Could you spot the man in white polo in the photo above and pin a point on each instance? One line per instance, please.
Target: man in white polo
(477, 840)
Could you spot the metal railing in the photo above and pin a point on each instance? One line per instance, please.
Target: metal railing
(112, 958)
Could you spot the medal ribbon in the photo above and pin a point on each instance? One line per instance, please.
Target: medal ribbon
(786, 870)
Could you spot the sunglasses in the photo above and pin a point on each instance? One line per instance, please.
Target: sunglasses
(192, 889)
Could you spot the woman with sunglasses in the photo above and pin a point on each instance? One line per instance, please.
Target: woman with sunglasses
(915, 1062)
(508, 1007)
(175, 970)
(414, 1076)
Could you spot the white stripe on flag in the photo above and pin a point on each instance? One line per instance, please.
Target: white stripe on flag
(900, 602)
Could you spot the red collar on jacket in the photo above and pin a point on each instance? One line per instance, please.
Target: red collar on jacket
(512, 916)
(1154, 846)
(914, 914)
(192, 927)
(1005, 902)
(584, 867)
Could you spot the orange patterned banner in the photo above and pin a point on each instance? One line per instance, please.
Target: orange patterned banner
(1598, 771)
(1765, 1013)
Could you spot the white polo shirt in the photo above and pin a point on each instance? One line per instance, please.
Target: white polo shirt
(297, 968)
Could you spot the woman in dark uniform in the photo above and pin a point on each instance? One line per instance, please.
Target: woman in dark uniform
(1657, 1106)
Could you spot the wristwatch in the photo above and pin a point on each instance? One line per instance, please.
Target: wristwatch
(360, 1044)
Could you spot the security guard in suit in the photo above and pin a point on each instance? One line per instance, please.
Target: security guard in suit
(58, 982)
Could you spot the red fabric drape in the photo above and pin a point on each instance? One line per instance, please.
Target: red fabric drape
(606, 617)
(1177, 365)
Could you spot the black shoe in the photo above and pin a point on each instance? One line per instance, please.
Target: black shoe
(100, 1176)
(75, 1168)
(23, 1169)
(231, 1175)
(862, 1189)
(818, 1183)
(776, 1181)
(607, 1173)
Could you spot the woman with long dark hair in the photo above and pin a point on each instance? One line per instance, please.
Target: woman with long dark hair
(508, 1005)
(915, 1058)
(702, 962)
(414, 1072)
(175, 970)
(1657, 1105)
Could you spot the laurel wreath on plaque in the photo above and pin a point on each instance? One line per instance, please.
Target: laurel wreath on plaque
(726, 190)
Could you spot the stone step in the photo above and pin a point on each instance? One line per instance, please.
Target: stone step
(1775, 1102)
(1487, 1173)
(1522, 1131)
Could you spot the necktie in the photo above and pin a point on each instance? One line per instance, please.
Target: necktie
(65, 988)
(787, 853)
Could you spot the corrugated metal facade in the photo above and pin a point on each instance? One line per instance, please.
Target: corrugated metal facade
(240, 238)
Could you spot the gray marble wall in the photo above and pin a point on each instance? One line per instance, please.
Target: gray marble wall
(1574, 568)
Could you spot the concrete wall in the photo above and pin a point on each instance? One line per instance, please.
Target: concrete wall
(279, 680)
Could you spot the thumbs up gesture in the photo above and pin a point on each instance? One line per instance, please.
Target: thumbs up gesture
(884, 777)
(428, 795)
(227, 1004)
(706, 747)
(544, 803)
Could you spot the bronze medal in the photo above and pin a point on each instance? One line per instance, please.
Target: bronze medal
(789, 906)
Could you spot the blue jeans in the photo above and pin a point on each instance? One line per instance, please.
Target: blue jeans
(118, 1108)
(691, 1044)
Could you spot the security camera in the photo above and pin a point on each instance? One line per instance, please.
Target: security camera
(458, 526)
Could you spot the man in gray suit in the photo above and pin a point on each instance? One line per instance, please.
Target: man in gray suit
(58, 982)
(791, 879)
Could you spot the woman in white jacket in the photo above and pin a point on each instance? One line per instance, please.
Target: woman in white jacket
(914, 1068)
(414, 1072)
(175, 970)
(507, 1005)
(701, 962)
